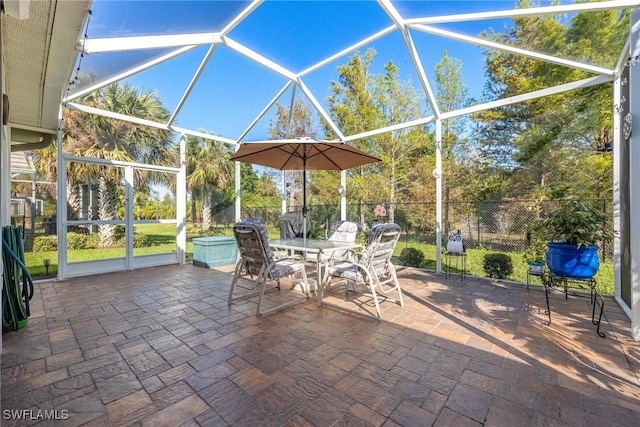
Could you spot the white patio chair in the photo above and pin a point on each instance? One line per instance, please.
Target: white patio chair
(258, 263)
(343, 231)
(252, 220)
(372, 268)
(340, 231)
(260, 221)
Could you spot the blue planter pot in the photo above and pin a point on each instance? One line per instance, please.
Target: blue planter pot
(568, 260)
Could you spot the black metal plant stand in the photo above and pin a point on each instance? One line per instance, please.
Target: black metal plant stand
(531, 274)
(550, 281)
(457, 262)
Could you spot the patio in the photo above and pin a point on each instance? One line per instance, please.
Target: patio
(160, 346)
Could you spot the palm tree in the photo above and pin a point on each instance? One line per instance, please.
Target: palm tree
(77, 137)
(89, 135)
(208, 166)
(119, 140)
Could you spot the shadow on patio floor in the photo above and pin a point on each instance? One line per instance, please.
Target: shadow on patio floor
(161, 347)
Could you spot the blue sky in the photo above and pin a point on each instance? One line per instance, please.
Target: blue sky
(295, 34)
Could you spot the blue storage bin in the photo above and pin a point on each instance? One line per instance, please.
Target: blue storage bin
(214, 251)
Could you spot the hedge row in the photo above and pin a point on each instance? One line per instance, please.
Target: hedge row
(83, 241)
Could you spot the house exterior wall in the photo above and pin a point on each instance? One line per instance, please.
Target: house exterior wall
(634, 175)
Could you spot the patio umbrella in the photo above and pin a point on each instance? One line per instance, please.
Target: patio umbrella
(303, 154)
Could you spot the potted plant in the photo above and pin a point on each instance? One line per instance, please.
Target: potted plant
(534, 255)
(574, 229)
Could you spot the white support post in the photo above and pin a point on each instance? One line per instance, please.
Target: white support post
(616, 154)
(5, 177)
(283, 194)
(238, 205)
(181, 203)
(343, 195)
(34, 206)
(5, 182)
(437, 174)
(634, 174)
(128, 197)
(61, 209)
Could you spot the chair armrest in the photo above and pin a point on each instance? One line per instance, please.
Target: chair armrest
(353, 256)
(349, 255)
(360, 267)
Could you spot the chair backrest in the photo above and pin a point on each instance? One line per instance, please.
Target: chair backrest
(380, 246)
(253, 245)
(252, 220)
(343, 231)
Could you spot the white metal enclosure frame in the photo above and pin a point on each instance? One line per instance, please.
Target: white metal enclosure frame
(130, 261)
(182, 43)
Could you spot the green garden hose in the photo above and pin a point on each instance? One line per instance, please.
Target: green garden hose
(15, 301)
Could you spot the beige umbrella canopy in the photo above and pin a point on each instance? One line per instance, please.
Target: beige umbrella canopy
(303, 154)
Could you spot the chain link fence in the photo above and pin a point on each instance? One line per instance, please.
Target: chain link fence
(505, 225)
(496, 225)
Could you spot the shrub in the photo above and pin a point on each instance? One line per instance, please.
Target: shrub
(45, 243)
(411, 257)
(141, 240)
(74, 241)
(497, 266)
(78, 241)
(118, 232)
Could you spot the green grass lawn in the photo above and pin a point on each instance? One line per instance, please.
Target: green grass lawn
(475, 258)
(162, 238)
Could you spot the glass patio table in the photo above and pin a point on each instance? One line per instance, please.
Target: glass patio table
(314, 247)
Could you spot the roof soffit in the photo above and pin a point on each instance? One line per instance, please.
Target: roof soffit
(39, 57)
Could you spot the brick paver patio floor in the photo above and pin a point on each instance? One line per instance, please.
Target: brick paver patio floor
(160, 347)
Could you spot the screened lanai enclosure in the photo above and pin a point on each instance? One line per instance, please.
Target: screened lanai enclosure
(222, 70)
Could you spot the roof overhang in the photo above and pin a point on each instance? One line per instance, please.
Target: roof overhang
(39, 40)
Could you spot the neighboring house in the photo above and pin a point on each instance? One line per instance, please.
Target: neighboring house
(21, 165)
(23, 205)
